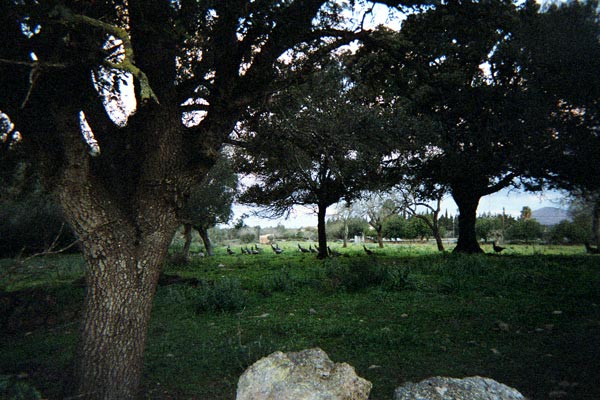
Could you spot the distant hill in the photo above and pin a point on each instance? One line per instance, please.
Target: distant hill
(550, 215)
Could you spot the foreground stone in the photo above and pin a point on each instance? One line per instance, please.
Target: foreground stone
(472, 388)
(305, 375)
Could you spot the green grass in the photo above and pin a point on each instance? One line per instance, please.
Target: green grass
(529, 318)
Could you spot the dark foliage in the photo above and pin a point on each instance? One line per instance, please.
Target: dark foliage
(33, 224)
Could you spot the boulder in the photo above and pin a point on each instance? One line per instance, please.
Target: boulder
(471, 388)
(305, 375)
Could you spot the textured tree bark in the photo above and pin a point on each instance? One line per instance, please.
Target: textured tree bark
(467, 209)
(124, 243)
(120, 288)
(123, 266)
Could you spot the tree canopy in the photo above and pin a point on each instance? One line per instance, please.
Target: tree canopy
(478, 119)
(313, 145)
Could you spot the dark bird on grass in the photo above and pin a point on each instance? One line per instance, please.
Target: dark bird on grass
(369, 252)
(497, 248)
(591, 250)
(276, 249)
(229, 251)
(333, 253)
(310, 248)
(302, 249)
(317, 248)
(257, 248)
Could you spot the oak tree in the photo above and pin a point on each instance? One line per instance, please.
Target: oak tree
(194, 67)
(454, 68)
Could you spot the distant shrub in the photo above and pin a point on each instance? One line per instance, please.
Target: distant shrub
(31, 225)
(247, 237)
(526, 230)
(225, 295)
(569, 233)
(281, 281)
(354, 275)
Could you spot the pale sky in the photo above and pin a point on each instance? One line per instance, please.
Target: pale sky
(511, 200)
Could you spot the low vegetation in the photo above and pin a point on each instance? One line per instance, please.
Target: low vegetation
(529, 317)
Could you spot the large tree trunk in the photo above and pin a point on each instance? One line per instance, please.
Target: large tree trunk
(206, 239)
(123, 267)
(321, 232)
(124, 243)
(120, 289)
(467, 209)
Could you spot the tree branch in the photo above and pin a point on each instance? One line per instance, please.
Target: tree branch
(36, 68)
(127, 63)
(501, 184)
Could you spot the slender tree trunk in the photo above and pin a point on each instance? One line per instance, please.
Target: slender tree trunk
(380, 236)
(438, 240)
(321, 232)
(467, 209)
(436, 225)
(206, 239)
(345, 234)
(433, 224)
(187, 234)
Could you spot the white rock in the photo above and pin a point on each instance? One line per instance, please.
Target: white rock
(442, 388)
(305, 375)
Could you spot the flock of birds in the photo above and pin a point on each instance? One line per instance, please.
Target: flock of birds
(310, 249)
(256, 249)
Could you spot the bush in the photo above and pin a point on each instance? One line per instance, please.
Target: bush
(247, 237)
(570, 233)
(225, 295)
(525, 229)
(281, 281)
(356, 275)
(31, 225)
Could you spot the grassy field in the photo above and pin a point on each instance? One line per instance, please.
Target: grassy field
(529, 317)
